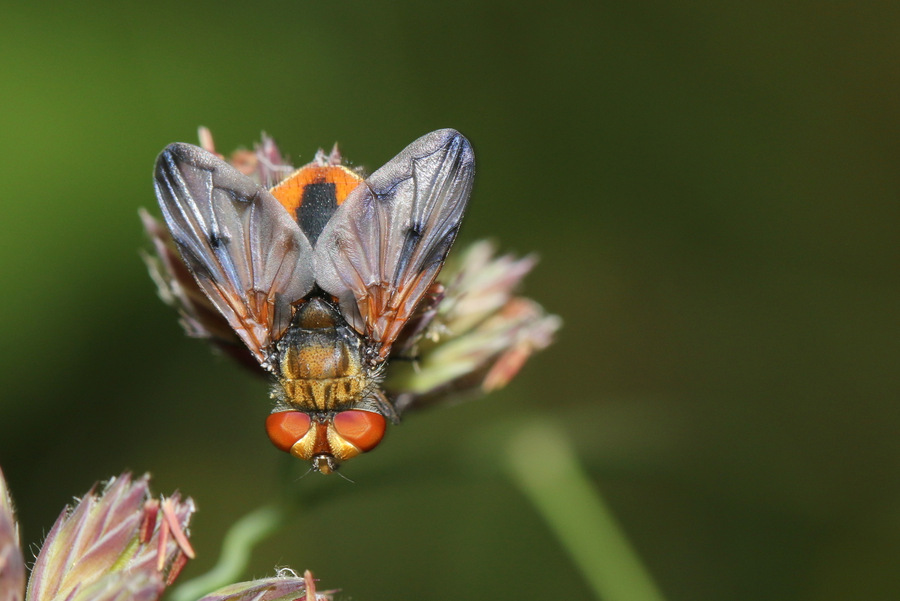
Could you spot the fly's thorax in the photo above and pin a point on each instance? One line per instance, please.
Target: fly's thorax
(321, 364)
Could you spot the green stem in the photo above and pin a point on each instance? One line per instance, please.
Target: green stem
(544, 466)
(236, 548)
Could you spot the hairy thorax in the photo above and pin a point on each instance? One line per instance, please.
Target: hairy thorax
(320, 360)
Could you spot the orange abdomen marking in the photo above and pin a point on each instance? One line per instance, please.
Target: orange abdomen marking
(313, 194)
(290, 191)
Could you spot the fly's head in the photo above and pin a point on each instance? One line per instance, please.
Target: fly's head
(325, 438)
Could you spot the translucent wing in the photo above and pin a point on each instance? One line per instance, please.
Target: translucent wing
(247, 254)
(386, 243)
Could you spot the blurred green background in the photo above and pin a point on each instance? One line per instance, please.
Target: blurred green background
(712, 187)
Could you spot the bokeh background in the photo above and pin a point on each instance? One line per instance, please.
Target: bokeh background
(712, 187)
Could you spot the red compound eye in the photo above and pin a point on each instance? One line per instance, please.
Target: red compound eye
(287, 427)
(362, 429)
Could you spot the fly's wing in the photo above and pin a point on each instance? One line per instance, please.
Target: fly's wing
(386, 243)
(247, 254)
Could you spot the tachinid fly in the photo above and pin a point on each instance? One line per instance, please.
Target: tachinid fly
(321, 275)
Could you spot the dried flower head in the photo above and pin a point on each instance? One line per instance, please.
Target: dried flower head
(120, 544)
(471, 334)
(284, 587)
(12, 565)
(481, 333)
(116, 544)
(329, 280)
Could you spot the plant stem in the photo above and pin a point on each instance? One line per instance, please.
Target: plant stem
(236, 548)
(543, 464)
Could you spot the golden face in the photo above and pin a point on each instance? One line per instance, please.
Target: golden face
(325, 440)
